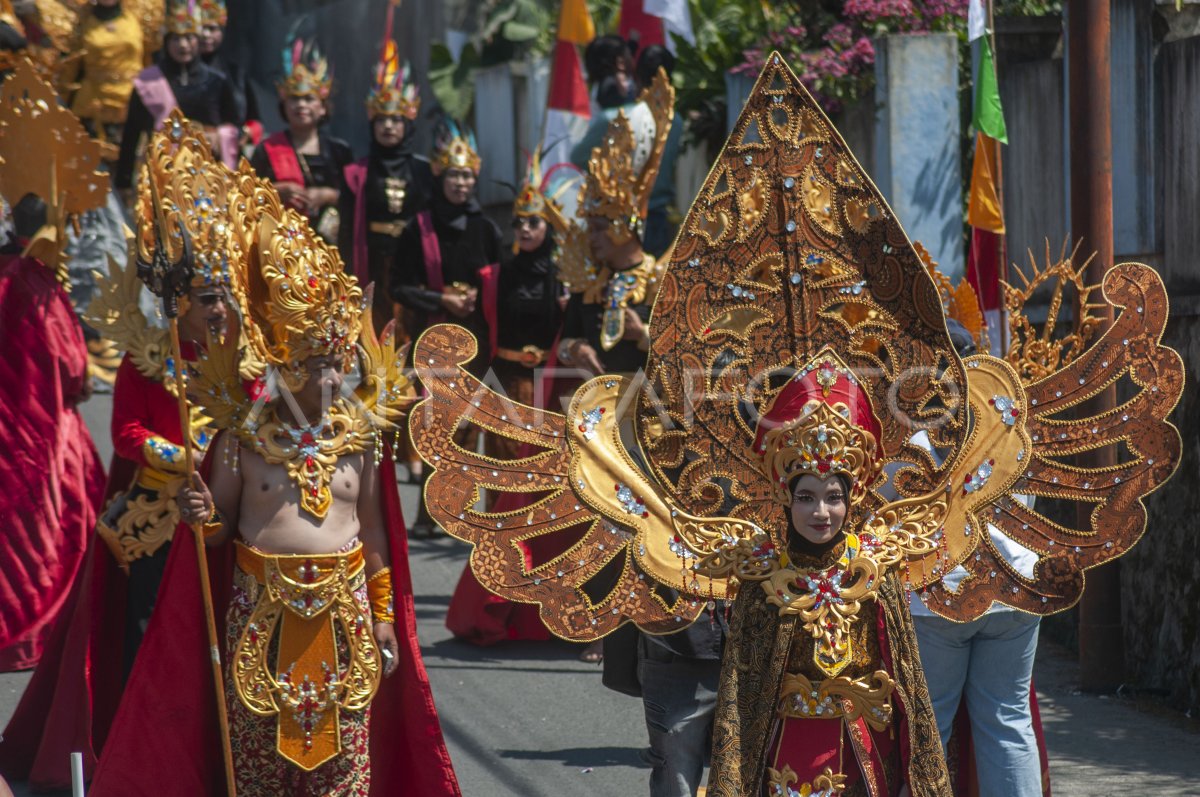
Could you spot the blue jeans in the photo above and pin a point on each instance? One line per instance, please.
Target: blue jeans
(680, 699)
(989, 661)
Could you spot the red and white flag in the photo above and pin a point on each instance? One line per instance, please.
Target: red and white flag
(567, 107)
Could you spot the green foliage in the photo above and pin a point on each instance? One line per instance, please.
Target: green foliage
(1027, 8)
(453, 83)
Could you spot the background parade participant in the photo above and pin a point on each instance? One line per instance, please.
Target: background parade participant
(304, 162)
(530, 312)
(306, 551)
(386, 189)
(213, 17)
(447, 262)
(178, 79)
(108, 53)
(73, 695)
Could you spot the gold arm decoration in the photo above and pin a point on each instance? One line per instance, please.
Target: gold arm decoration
(869, 698)
(605, 559)
(1034, 355)
(44, 150)
(379, 593)
(1148, 451)
(789, 250)
(827, 784)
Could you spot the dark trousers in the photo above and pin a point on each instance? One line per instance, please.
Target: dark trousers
(145, 575)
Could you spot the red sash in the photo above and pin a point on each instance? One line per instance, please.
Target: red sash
(356, 180)
(283, 159)
(489, 279)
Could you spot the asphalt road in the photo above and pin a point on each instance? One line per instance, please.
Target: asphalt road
(530, 719)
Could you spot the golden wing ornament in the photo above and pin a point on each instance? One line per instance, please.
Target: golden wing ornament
(116, 314)
(590, 498)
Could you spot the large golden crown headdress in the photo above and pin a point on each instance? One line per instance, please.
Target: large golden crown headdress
(297, 294)
(306, 72)
(541, 193)
(182, 17)
(394, 92)
(183, 187)
(622, 170)
(213, 12)
(455, 149)
(820, 424)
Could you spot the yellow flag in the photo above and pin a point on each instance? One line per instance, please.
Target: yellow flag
(983, 207)
(575, 23)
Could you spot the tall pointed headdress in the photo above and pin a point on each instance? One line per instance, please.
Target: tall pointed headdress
(622, 170)
(455, 148)
(394, 93)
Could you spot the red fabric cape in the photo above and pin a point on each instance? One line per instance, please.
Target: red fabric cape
(53, 481)
(168, 717)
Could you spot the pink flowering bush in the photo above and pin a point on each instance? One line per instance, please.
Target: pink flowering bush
(828, 42)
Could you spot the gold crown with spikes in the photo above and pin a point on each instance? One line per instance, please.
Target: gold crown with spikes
(297, 295)
(394, 92)
(182, 17)
(213, 12)
(182, 186)
(622, 170)
(533, 199)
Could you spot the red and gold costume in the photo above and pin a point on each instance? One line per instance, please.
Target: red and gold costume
(797, 332)
(309, 711)
(51, 487)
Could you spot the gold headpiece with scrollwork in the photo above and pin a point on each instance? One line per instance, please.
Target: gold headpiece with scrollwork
(187, 187)
(622, 170)
(183, 17)
(213, 12)
(297, 294)
(455, 149)
(45, 151)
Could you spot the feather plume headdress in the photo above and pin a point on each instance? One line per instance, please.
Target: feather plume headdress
(306, 72)
(455, 149)
(183, 17)
(395, 92)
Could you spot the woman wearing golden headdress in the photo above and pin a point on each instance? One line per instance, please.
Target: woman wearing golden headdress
(304, 162)
(108, 47)
(213, 18)
(386, 189)
(178, 79)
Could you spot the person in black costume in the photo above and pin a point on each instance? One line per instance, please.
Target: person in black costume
(386, 189)
(447, 265)
(213, 17)
(304, 162)
(203, 94)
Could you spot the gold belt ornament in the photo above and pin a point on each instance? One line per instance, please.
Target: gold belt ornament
(392, 228)
(529, 356)
(301, 598)
(835, 698)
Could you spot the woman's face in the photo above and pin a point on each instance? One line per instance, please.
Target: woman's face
(530, 232)
(388, 130)
(210, 38)
(457, 185)
(182, 49)
(303, 111)
(818, 508)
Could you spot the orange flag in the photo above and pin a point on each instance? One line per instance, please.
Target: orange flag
(983, 208)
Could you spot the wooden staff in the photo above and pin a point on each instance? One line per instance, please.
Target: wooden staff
(168, 281)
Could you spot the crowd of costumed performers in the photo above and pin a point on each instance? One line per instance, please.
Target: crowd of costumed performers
(756, 467)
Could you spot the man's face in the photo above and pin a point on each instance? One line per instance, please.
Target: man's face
(388, 130)
(601, 239)
(207, 313)
(325, 374)
(210, 38)
(182, 49)
(457, 185)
